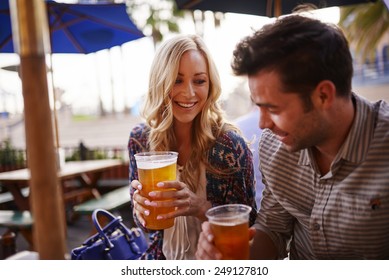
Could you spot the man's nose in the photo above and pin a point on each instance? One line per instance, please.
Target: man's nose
(264, 119)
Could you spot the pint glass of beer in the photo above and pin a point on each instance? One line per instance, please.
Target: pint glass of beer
(229, 225)
(154, 167)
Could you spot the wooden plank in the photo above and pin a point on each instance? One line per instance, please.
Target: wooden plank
(109, 201)
(8, 197)
(15, 219)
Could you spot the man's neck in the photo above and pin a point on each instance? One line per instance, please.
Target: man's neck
(343, 120)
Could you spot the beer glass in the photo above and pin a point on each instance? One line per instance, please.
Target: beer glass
(154, 167)
(229, 225)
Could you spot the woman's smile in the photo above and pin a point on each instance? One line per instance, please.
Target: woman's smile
(186, 105)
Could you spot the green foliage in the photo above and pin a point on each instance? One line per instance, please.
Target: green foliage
(365, 26)
(161, 17)
(9, 156)
(93, 154)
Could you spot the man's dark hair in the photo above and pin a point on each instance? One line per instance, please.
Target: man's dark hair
(302, 50)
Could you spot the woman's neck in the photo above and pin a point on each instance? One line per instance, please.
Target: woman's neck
(183, 133)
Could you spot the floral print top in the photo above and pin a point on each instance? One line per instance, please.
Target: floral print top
(229, 152)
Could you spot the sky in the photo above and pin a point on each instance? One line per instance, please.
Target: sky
(124, 70)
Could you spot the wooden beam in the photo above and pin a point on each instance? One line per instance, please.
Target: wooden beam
(31, 40)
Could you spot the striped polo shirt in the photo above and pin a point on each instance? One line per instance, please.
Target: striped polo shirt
(341, 215)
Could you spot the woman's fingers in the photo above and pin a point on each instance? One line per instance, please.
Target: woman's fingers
(140, 210)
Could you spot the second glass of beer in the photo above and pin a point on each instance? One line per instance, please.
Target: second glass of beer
(154, 167)
(230, 227)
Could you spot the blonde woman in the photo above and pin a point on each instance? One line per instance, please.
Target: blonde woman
(215, 166)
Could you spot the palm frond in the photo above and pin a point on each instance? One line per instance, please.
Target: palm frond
(365, 26)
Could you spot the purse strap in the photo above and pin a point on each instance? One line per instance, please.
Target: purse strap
(101, 233)
(110, 227)
(114, 224)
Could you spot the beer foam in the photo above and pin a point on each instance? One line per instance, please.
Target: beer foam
(228, 222)
(152, 164)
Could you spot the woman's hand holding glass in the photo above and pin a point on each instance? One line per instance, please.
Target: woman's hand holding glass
(173, 194)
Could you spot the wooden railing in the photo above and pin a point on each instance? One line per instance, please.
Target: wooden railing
(13, 159)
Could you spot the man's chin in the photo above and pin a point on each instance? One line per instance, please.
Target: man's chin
(290, 148)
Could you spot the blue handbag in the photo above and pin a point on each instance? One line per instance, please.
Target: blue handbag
(113, 242)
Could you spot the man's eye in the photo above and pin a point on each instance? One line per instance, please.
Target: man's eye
(272, 111)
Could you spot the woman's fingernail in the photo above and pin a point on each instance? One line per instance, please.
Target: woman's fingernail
(159, 218)
(139, 187)
(147, 212)
(147, 202)
(152, 193)
(153, 203)
(160, 184)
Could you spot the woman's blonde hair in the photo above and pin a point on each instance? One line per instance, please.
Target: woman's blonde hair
(158, 111)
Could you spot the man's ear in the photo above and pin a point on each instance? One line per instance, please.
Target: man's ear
(324, 94)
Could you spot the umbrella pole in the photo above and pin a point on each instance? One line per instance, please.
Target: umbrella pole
(29, 24)
(57, 146)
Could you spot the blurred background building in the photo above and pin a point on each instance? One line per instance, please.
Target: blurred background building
(99, 95)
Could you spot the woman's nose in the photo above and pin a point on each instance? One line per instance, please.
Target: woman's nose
(189, 90)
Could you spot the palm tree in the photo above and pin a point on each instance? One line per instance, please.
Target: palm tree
(365, 26)
(162, 17)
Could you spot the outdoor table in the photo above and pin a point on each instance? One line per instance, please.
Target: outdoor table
(86, 172)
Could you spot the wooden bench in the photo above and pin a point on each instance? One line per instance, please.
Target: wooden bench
(112, 183)
(110, 201)
(7, 197)
(18, 221)
(15, 219)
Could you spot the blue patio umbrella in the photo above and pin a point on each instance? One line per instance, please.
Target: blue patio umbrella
(268, 8)
(78, 28)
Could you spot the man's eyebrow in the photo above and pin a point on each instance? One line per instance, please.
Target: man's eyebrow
(267, 105)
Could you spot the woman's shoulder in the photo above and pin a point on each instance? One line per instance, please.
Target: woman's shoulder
(230, 139)
(139, 130)
(229, 144)
(229, 150)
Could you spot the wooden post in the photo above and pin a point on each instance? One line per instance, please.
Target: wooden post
(31, 40)
(277, 8)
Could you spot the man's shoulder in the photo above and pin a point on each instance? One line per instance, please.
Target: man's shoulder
(383, 112)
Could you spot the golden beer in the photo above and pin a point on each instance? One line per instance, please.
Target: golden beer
(154, 167)
(229, 225)
(232, 239)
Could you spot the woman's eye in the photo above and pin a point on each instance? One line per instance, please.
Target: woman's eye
(200, 81)
(178, 81)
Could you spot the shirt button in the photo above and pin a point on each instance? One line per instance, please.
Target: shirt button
(316, 226)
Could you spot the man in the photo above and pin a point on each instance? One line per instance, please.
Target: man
(324, 151)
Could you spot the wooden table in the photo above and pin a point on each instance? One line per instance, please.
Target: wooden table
(86, 172)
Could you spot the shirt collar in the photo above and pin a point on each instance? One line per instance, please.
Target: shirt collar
(356, 145)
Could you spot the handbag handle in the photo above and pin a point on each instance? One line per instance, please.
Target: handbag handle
(115, 223)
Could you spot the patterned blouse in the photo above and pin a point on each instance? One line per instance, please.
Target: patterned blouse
(229, 152)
